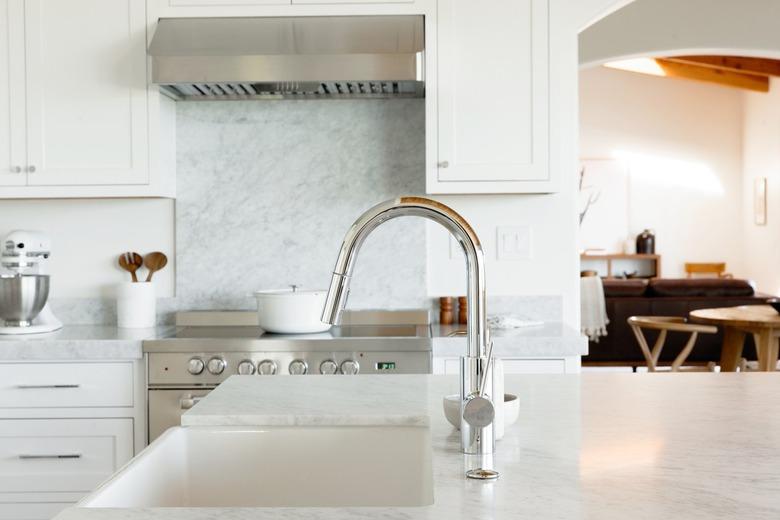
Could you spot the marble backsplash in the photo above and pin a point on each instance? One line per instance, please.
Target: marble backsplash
(266, 191)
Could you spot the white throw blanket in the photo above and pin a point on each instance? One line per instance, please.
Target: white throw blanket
(593, 308)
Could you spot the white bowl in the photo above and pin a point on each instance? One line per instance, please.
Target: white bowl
(289, 311)
(452, 409)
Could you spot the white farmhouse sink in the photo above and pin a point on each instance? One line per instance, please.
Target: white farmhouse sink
(280, 466)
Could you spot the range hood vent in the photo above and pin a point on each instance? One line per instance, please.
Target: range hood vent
(323, 57)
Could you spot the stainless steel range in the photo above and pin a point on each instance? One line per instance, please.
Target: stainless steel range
(188, 365)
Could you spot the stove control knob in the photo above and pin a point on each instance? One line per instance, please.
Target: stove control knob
(216, 365)
(298, 367)
(328, 367)
(195, 366)
(246, 368)
(266, 368)
(350, 367)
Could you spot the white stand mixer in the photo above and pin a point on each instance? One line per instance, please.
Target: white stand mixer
(23, 253)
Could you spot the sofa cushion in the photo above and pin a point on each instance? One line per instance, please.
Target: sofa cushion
(624, 288)
(701, 287)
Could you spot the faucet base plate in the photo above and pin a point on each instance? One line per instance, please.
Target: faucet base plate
(482, 474)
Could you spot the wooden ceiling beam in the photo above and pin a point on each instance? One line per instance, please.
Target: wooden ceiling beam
(676, 69)
(758, 66)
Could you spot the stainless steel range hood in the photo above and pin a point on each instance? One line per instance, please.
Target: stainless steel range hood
(297, 57)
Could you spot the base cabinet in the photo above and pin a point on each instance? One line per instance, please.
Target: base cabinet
(65, 427)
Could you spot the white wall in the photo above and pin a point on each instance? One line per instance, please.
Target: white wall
(544, 273)
(89, 234)
(682, 144)
(762, 159)
(658, 27)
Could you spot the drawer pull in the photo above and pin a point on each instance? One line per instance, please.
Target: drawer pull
(33, 387)
(58, 456)
(188, 401)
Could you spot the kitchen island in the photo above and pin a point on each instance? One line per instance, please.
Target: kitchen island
(589, 446)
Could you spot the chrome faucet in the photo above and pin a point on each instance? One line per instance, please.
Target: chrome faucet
(476, 367)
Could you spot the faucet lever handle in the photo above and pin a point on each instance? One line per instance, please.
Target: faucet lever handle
(478, 411)
(488, 367)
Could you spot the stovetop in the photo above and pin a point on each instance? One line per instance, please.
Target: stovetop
(365, 338)
(348, 331)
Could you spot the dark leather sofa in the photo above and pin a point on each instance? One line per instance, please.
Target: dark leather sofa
(666, 297)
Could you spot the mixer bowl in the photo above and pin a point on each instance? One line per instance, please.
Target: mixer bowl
(22, 297)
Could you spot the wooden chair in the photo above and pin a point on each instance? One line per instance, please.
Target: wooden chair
(666, 324)
(718, 269)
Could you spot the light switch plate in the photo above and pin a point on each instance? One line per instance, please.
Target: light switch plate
(513, 242)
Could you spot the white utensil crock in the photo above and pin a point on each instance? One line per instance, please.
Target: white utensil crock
(289, 311)
(136, 305)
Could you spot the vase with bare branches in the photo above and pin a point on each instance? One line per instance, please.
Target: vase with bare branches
(593, 195)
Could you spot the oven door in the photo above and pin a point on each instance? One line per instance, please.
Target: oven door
(167, 406)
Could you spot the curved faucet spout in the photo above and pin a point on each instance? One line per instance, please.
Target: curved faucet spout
(476, 369)
(432, 210)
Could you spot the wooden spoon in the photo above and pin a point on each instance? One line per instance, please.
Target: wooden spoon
(154, 262)
(130, 262)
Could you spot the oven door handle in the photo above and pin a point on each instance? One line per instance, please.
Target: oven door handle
(188, 401)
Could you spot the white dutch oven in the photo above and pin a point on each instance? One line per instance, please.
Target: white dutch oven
(291, 311)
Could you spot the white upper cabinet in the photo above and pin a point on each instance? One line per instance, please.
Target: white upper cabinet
(86, 92)
(75, 76)
(492, 98)
(12, 161)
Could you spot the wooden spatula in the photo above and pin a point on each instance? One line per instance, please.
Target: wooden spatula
(154, 262)
(130, 262)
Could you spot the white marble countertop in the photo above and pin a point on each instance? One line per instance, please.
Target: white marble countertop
(600, 446)
(74, 342)
(99, 342)
(550, 339)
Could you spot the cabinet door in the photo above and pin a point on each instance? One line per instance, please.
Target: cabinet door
(86, 92)
(492, 97)
(12, 160)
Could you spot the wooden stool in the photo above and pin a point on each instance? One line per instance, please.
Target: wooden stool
(665, 324)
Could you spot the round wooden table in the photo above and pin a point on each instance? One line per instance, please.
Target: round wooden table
(762, 321)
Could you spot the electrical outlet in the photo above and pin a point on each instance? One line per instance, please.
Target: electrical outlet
(513, 242)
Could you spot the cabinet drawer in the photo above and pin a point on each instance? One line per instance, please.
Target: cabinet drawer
(31, 511)
(61, 455)
(56, 385)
